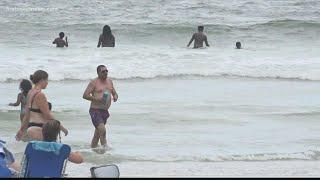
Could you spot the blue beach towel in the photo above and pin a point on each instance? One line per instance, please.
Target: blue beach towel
(47, 146)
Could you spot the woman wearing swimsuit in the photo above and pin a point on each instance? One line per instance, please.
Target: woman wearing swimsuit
(37, 108)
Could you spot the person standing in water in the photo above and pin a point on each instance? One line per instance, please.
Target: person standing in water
(106, 39)
(60, 42)
(38, 109)
(98, 92)
(199, 38)
(25, 86)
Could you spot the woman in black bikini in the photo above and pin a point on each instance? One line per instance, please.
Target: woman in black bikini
(37, 108)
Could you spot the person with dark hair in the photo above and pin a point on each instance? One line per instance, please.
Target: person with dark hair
(99, 92)
(37, 108)
(106, 39)
(238, 45)
(199, 38)
(50, 133)
(25, 86)
(60, 42)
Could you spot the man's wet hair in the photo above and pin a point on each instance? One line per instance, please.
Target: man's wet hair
(200, 28)
(61, 35)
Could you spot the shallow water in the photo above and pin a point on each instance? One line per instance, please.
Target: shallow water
(189, 120)
(181, 112)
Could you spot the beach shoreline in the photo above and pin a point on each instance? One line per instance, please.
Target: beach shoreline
(295, 168)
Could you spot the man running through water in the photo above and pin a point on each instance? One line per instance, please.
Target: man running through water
(199, 38)
(98, 92)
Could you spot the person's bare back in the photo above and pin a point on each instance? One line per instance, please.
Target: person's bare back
(106, 39)
(199, 38)
(59, 42)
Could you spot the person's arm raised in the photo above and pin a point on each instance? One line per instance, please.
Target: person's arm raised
(66, 42)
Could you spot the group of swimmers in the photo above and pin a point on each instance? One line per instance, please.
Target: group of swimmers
(107, 39)
(36, 114)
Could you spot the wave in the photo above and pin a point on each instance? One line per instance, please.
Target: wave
(299, 114)
(286, 23)
(310, 155)
(177, 76)
(289, 23)
(176, 27)
(187, 76)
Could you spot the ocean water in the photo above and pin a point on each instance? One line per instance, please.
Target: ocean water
(181, 111)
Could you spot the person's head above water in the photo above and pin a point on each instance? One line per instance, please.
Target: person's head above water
(200, 28)
(40, 77)
(102, 71)
(50, 130)
(61, 35)
(106, 31)
(238, 45)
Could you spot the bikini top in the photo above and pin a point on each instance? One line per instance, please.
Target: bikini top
(38, 110)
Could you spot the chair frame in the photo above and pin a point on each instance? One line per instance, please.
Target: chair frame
(95, 167)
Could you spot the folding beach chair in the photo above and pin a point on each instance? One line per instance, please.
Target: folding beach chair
(45, 159)
(4, 170)
(105, 171)
(6, 158)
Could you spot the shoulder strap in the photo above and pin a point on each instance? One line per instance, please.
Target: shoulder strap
(33, 98)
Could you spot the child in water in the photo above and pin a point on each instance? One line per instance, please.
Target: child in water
(25, 86)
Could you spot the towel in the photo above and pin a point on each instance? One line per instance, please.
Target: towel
(47, 146)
